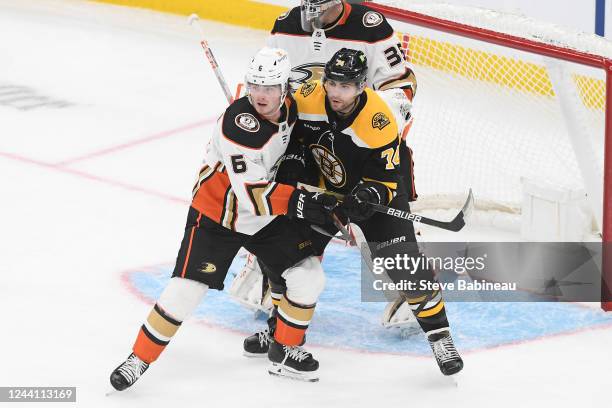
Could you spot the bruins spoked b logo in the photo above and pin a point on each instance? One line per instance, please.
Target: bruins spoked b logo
(331, 167)
(380, 120)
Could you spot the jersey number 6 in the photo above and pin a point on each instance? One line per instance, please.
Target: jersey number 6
(238, 163)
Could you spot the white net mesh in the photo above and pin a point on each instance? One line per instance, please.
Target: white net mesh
(488, 115)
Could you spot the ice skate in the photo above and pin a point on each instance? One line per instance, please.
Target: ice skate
(292, 362)
(128, 372)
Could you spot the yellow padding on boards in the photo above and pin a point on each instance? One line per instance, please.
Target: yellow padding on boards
(239, 12)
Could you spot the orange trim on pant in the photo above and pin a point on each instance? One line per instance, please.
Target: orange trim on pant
(186, 262)
(145, 349)
(287, 335)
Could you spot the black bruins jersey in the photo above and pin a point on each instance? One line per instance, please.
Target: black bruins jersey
(361, 147)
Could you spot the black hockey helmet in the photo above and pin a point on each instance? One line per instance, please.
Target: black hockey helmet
(347, 65)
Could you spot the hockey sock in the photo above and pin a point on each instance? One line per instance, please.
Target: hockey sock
(292, 321)
(276, 299)
(154, 335)
(175, 304)
(429, 311)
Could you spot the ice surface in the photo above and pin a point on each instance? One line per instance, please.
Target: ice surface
(93, 202)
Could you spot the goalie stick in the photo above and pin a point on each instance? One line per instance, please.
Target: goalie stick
(456, 224)
(193, 21)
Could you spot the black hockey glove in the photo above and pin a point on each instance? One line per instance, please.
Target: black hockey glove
(357, 205)
(291, 169)
(312, 207)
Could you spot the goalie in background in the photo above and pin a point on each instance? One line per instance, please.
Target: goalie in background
(237, 204)
(311, 34)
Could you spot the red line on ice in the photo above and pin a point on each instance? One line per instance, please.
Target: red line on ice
(111, 182)
(137, 142)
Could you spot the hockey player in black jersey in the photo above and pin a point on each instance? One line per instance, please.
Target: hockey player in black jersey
(311, 34)
(351, 136)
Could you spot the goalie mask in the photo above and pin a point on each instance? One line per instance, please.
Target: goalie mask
(312, 10)
(270, 67)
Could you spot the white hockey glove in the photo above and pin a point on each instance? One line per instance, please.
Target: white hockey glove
(398, 102)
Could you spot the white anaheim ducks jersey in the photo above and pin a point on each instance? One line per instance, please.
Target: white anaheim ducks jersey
(358, 27)
(235, 187)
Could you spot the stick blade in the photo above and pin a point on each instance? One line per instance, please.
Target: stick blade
(468, 207)
(460, 220)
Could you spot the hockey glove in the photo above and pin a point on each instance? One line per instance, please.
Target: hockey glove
(313, 207)
(357, 205)
(399, 103)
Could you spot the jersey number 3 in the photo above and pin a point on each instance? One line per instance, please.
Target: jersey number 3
(394, 55)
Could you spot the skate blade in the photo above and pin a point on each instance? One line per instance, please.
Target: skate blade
(254, 355)
(453, 379)
(279, 370)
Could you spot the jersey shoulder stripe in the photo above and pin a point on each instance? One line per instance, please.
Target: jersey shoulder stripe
(375, 125)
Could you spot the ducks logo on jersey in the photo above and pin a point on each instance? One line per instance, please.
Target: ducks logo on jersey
(306, 72)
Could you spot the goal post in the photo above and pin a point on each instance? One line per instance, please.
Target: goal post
(500, 98)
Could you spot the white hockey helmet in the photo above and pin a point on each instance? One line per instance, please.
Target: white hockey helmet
(311, 13)
(269, 66)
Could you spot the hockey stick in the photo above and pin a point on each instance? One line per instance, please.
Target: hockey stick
(366, 254)
(193, 21)
(456, 224)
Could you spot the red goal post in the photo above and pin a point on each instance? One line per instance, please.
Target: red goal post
(554, 49)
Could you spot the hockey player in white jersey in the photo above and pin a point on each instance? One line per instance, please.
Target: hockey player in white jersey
(312, 33)
(237, 204)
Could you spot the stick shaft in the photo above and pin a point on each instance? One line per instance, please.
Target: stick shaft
(213, 61)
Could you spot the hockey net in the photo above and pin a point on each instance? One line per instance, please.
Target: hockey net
(502, 98)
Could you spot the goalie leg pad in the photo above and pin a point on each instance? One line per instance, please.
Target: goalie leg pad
(246, 287)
